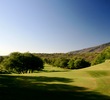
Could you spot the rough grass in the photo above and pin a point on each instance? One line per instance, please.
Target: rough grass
(58, 84)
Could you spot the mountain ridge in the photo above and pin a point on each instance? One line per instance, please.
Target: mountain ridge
(95, 49)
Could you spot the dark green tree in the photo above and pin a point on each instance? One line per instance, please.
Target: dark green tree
(23, 62)
(71, 64)
(81, 63)
(61, 62)
(1, 58)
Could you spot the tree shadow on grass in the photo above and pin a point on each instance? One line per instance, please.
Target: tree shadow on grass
(7, 79)
(41, 88)
(55, 70)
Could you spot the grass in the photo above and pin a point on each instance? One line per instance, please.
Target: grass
(55, 83)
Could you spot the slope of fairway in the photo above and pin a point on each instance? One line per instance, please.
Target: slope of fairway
(55, 83)
(101, 73)
(102, 66)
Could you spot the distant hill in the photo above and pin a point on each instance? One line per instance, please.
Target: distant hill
(95, 49)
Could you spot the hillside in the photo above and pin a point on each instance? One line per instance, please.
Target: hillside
(95, 49)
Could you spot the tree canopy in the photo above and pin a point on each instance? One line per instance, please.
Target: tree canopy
(23, 62)
(104, 55)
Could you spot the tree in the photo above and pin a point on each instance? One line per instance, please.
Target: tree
(77, 63)
(61, 62)
(104, 55)
(71, 64)
(23, 62)
(81, 63)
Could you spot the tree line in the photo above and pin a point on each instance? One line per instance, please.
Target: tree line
(27, 62)
(102, 57)
(74, 63)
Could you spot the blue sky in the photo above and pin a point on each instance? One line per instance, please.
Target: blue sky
(53, 26)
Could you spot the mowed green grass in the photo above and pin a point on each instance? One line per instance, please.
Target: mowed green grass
(54, 83)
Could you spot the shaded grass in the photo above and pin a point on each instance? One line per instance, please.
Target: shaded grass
(33, 88)
(56, 83)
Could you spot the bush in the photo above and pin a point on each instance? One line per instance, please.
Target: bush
(22, 62)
